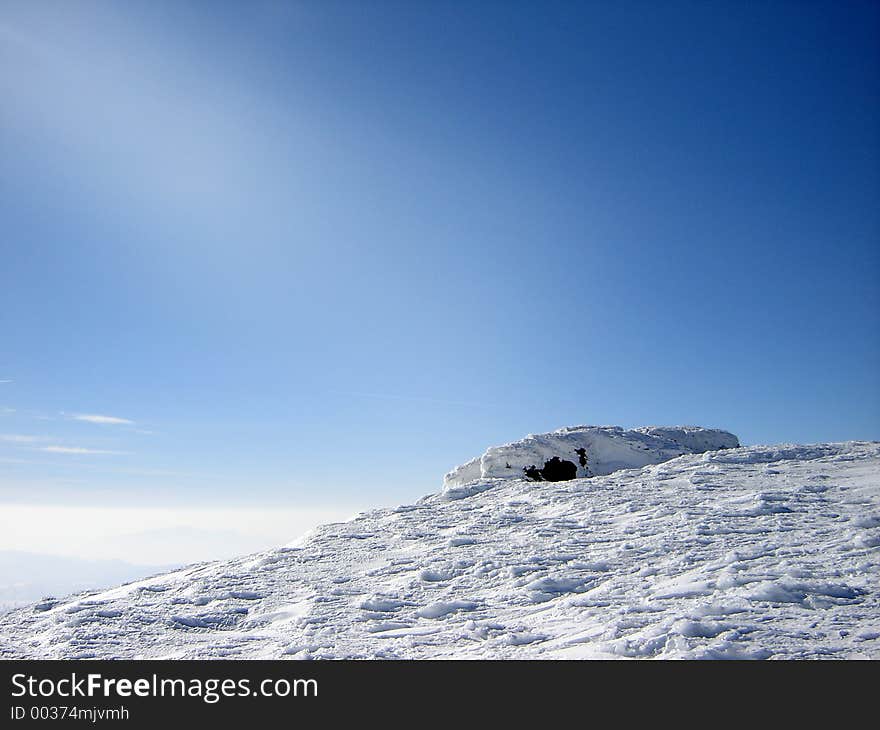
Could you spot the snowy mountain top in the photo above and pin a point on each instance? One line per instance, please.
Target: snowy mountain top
(756, 552)
(586, 451)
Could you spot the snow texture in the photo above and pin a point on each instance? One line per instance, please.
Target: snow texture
(744, 553)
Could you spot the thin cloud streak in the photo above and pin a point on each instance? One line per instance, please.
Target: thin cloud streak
(16, 438)
(77, 450)
(106, 420)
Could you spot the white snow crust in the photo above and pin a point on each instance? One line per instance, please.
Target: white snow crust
(608, 449)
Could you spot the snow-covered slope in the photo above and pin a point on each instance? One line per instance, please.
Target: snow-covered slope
(593, 450)
(757, 552)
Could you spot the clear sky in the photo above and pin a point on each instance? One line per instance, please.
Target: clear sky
(309, 256)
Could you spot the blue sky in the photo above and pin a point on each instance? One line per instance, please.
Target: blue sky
(315, 254)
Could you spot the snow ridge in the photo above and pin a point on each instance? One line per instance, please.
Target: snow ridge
(744, 553)
(594, 450)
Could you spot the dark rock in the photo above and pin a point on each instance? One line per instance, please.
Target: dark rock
(555, 470)
(558, 470)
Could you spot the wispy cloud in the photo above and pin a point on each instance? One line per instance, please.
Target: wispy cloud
(3, 382)
(107, 420)
(17, 438)
(28, 441)
(77, 450)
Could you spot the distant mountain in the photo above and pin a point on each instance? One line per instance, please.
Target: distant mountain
(738, 552)
(26, 577)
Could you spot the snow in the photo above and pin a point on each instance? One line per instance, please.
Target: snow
(607, 449)
(761, 552)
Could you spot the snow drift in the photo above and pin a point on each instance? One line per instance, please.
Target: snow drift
(740, 553)
(593, 450)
